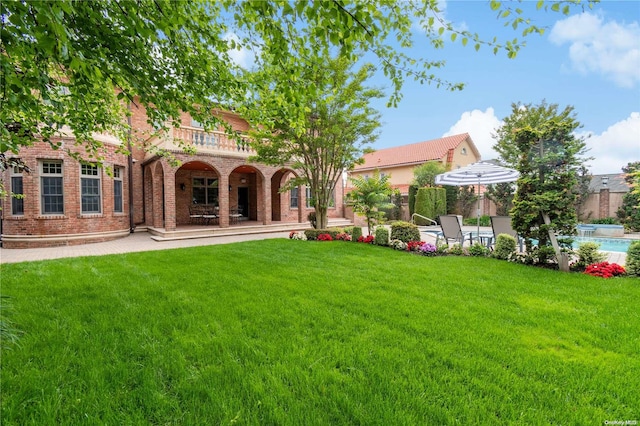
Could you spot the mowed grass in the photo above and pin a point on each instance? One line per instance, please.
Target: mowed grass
(292, 332)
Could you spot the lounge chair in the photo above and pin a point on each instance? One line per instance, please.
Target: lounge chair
(502, 225)
(452, 230)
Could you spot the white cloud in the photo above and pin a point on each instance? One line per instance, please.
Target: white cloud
(480, 126)
(615, 147)
(242, 56)
(612, 149)
(440, 20)
(595, 46)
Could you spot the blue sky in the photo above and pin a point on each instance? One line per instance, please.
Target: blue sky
(590, 60)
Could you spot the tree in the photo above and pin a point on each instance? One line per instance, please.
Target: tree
(502, 195)
(582, 189)
(425, 174)
(339, 125)
(76, 65)
(466, 199)
(542, 140)
(79, 66)
(369, 197)
(629, 212)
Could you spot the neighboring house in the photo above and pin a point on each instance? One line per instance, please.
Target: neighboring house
(605, 196)
(68, 203)
(398, 162)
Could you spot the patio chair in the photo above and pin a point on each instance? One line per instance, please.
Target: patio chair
(502, 225)
(452, 230)
(196, 214)
(235, 214)
(209, 215)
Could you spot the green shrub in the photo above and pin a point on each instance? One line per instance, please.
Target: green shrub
(431, 203)
(312, 234)
(587, 254)
(356, 232)
(405, 231)
(473, 221)
(632, 265)
(413, 190)
(505, 247)
(456, 250)
(606, 221)
(479, 250)
(442, 249)
(311, 217)
(382, 236)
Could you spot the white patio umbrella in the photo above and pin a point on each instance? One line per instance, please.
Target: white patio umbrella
(478, 173)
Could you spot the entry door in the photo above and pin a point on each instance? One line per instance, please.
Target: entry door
(243, 201)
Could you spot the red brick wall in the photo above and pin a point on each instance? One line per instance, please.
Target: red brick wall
(34, 223)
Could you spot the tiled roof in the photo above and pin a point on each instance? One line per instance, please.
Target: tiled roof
(615, 183)
(416, 153)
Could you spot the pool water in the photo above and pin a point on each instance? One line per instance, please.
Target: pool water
(606, 244)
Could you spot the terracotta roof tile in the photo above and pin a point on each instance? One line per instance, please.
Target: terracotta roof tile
(416, 153)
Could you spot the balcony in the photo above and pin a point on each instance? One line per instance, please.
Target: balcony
(215, 142)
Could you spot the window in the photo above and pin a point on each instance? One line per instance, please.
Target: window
(51, 189)
(17, 201)
(117, 190)
(294, 198)
(195, 123)
(464, 151)
(90, 189)
(310, 204)
(205, 191)
(309, 200)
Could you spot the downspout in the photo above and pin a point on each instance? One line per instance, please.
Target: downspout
(132, 225)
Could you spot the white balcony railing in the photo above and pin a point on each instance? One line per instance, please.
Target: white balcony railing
(212, 142)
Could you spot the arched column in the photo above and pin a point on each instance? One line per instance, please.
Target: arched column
(157, 196)
(266, 201)
(170, 200)
(223, 199)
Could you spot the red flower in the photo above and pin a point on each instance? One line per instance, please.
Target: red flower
(367, 240)
(604, 270)
(324, 237)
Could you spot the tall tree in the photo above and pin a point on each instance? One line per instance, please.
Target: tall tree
(502, 195)
(542, 141)
(629, 212)
(338, 127)
(369, 197)
(425, 174)
(71, 65)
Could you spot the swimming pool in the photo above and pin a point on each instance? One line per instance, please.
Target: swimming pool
(606, 244)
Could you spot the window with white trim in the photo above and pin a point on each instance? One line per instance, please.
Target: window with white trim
(117, 190)
(51, 187)
(293, 198)
(17, 192)
(309, 201)
(90, 189)
(310, 204)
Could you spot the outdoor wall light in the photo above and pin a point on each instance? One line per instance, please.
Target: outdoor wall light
(229, 188)
(183, 186)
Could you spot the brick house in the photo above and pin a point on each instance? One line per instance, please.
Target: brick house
(68, 203)
(398, 162)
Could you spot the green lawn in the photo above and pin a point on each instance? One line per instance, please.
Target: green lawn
(293, 332)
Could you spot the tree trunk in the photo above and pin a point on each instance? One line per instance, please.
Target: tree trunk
(561, 258)
(321, 218)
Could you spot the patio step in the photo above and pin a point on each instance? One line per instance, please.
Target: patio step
(159, 234)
